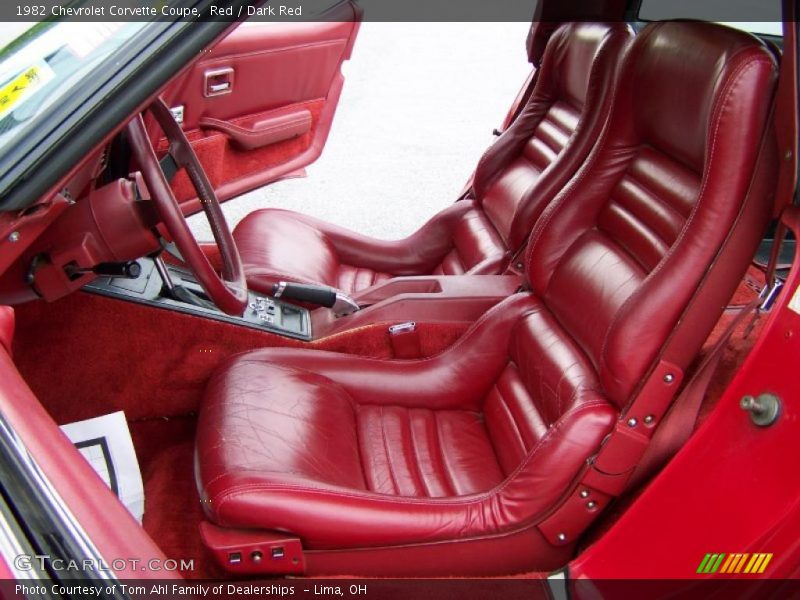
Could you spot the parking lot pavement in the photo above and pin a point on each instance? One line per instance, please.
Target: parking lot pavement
(417, 111)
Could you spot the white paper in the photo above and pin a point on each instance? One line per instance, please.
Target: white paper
(106, 444)
(794, 303)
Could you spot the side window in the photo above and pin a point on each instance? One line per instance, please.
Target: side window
(756, 16)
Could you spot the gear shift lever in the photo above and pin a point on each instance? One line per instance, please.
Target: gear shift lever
(321, 295)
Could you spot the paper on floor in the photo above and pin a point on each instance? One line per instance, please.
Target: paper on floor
(106, 444)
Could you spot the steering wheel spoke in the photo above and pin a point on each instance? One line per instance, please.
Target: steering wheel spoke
(228, 290)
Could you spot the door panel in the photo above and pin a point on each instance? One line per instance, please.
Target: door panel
(259, 105)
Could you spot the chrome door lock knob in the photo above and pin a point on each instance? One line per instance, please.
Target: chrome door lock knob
(764, 409)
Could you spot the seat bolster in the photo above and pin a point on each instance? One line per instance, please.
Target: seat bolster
(552, 466)
(458, 378)
(417, 254)
(477, 248)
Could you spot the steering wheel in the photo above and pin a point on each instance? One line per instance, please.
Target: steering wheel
(228, 290)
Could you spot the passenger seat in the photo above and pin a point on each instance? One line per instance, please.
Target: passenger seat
(514, 181)
(493, 456)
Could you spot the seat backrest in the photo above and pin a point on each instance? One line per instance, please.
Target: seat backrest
(537, 155)
(684, 162)
(552, 136)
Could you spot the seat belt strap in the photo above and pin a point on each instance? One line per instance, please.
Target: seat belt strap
(680, 421)
(632, 451)
(404, 340)
(644, 440)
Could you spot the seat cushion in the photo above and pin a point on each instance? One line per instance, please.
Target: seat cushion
(351, 279)
(279, 245)
(283, 426)
(351, 452)
(425, 453)
(489, 438)
(279, 426)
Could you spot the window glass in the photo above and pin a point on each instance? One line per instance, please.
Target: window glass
(46, 61)
(755, 16)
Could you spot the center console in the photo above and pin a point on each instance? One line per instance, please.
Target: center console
(453, 298)
(148, 287)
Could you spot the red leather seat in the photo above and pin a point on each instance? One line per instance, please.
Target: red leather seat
(458, 464)
(514, 181)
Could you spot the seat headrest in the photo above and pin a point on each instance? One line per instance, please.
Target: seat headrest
(677, 70)
(572, 55)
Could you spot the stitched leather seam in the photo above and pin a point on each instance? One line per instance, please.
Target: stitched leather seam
(389, 464)
(361, 466)
(448, 484)
(510, 414)
(657, 199)
(562, 127)
(415, 447)
(446, 476)
(548, 144)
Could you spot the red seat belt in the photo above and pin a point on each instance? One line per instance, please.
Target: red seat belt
(680, 420)
(631, 452)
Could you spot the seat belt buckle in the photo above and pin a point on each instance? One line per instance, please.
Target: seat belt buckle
(769, 294)
(612, 467)
(404, 339)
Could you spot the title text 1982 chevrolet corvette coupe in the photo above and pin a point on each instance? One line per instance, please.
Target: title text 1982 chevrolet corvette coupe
(551, 374)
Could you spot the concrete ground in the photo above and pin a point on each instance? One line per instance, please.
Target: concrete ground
(417, 111)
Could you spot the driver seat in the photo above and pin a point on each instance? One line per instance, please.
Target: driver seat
(514, 181)
(484, 459)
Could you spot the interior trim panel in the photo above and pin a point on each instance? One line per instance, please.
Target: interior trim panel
(262, 313)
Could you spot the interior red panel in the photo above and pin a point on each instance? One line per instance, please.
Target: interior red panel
(119, 370)
(728, 489)
(6, 327)
(470, 458)
(165, 442)
(443, 299)
(107, 522)
(231, 167)
(272, 73)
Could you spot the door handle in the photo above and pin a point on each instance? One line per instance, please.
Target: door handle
(219, 87)
(217, 82)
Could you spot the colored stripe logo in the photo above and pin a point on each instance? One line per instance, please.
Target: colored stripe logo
(734, 563)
